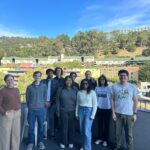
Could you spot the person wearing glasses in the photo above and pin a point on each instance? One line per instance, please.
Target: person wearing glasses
(73, 75)
(103, 92)
(10, 113)
(85, 110)
(124, 109)
(36, 98)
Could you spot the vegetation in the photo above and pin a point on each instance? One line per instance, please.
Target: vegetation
(83, 43)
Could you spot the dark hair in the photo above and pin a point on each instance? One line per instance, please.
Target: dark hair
(8, 75)
(99, 80)
(67, 77)
(36, 72)
(123, 71)
(71, 73)
(88, 71)
(57, 69)
(89, 86)
(49, 70)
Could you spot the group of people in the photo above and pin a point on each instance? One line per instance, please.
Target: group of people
(62, 102)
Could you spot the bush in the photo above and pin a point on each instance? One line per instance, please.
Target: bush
(146, 52)
(131, 48)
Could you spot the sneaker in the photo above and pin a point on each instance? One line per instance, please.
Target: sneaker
(41, 145)
(70, 145)
(104, 143)
(81, 148)
(29, 147)
(62, 146)
(98, 142)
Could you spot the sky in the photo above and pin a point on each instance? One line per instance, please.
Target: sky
(32, 18)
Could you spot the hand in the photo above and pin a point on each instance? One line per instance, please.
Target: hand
(58, 114)
(114, 117)
(134, 118)
(91, 118)
(47, 104)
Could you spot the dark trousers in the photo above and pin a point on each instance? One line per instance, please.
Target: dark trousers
(67, 122)
(124, 121)
(34, 115)
(52, 118)
(103, 116)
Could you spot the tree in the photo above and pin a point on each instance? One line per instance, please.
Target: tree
(144, 73)
(146, 52)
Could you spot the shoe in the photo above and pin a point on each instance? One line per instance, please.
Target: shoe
(104, 143)
(98, 142)
(41, 145)
(30, 146)
(62, 146)
(70, 145)
(81, 148)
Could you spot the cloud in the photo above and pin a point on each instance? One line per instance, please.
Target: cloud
(93, 7)
(6, 31)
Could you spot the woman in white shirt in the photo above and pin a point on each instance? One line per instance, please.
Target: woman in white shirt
(103, 92)
(86, 109)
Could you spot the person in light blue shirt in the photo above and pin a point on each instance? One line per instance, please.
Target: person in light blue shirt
(103, 92)
(124, 109)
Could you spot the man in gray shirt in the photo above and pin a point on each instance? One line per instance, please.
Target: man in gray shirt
(36, 98)
(124, 109)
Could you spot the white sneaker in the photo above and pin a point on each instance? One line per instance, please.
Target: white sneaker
(81, 148)
(62, 146)
(41, 145)
(104, 143)
(98, 142)
(70, 145)
(29, 147)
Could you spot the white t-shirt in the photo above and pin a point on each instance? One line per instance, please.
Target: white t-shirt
(103, 97)
(123, 98)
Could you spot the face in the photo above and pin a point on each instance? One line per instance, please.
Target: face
(68, 82)
(73, 76)
(123, 77)
(10, 81)
(88, 75)
(50, 74)
(58, 72)
(102, 81)
(85, 84)
(37, 77)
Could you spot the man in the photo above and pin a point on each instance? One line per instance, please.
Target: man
(57, 82)
(73, 75)
(47, 82)
(92, 82)
(9, 115)
(124, 109)
(36, 98)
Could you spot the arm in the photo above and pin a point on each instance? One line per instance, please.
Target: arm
(135, 105)
(94, 104)
(112, 98)
(2, 111)
(28, 96)
(77, 106)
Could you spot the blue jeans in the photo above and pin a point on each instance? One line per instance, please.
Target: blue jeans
(34, 115)
(85, 126)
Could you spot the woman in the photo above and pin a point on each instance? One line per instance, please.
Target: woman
(73, 75)
(66, 103)
(9, 115)
(85, 109)
(103, 92)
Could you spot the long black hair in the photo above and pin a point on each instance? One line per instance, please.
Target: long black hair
(67, 77)
(89, 86)
(99, 80)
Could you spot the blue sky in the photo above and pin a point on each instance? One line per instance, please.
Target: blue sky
(53, 17)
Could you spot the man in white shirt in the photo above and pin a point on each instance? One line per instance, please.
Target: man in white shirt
(124, 109)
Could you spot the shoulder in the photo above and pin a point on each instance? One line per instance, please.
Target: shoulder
(132, 86)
